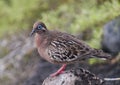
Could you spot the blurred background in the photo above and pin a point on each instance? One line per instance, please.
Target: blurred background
(97, 22)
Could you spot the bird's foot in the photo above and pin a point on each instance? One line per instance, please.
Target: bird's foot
(56, 73)
(61, 70)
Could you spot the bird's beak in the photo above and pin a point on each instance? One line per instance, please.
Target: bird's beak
(33, 31)
(44, 29)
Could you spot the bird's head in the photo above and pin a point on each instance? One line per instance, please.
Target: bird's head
(38, 27)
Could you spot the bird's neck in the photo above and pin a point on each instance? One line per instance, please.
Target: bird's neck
(41, 39)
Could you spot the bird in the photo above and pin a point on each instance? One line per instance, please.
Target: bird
(62, 48)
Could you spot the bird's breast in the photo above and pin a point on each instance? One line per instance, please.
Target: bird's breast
(42, 45)
(44, 54)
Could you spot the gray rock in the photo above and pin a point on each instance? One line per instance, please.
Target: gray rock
(111, 37)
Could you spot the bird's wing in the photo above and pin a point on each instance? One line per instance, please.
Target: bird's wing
(67, 48)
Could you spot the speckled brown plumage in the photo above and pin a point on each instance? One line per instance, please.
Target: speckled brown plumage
(63, 48)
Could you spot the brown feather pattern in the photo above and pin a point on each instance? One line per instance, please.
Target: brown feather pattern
(66, 49)
(59, 47)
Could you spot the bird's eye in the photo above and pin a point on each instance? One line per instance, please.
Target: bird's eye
(39, 27)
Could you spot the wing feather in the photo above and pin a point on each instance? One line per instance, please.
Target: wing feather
(67, 49)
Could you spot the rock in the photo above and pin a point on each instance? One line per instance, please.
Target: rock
(77, 76)
(111, 37)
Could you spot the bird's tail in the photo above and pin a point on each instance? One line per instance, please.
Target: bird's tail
(100, 54)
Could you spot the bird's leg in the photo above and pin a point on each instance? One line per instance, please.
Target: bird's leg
(59, 71)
